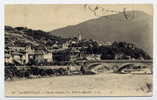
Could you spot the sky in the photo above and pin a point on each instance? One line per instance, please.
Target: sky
(53, 16)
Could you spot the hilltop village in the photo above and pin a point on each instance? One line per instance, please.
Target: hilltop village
(25, 46)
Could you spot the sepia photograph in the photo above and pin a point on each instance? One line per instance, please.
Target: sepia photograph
(59, 50)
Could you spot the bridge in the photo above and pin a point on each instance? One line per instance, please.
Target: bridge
(120, 64)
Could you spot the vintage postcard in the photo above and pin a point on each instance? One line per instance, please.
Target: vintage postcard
(78, 50)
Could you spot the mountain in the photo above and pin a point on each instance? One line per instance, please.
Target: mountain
(137, 28)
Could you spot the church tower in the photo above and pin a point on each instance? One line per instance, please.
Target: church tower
(79, 37)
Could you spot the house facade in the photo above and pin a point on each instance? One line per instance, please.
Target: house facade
(25, 55)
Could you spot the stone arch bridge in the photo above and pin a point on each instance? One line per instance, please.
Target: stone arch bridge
(120, 64)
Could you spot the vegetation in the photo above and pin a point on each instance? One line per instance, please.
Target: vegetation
(117, 50)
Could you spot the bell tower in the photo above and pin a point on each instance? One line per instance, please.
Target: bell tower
(79, 36)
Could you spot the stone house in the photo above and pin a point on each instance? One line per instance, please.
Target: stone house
(8, 59)
(48, 57)
(18, 58)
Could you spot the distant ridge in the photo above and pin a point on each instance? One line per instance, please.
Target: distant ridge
(137, 29)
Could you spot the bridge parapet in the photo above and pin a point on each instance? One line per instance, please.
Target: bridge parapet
(123, 61)
(119, 64)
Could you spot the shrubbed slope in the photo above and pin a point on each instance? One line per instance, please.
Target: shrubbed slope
(21, 36)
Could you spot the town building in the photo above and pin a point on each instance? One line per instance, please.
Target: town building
(25, 55)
